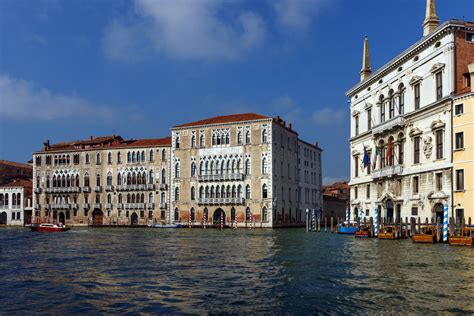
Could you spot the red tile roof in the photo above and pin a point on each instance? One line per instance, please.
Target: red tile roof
(226, 119)
(25, 183)
(15, 164)
(106, 142)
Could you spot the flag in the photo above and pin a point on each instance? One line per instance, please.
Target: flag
(366, 160)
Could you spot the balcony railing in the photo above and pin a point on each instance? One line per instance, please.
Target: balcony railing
(221, 177)
(61, 206)
(388, 171)
(397, 121)
(75, 206)
(151, 206)
(108, 206)
(86, 189)
(163, 206)
(98, 188)
(150, 186)
(86, 206)
(120, 206)
(109, 188)
(47, 207)
(48, 190)
(134, 205)
(37, 206)
(37, 190)
(221, 201)
(163, 186)
(97, 205)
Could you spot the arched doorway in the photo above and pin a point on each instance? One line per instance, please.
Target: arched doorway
(219, 215)
(3, 218)
(97, 217)
(62, 218)
(438, 213)
(389, 206)
(134, 219)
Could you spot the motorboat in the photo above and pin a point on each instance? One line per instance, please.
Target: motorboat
(45, 227)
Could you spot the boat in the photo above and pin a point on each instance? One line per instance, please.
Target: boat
(45, 227)
(363, 232)
(160, 225)
(346, 230)
(466, 238)
(390, 232)
(427, 234)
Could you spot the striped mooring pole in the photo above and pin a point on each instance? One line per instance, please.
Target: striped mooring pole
(204, 221)
(250, 219)
(313, 219)
(445, 223)
(222, 219)
(376, 222)
(347, 216)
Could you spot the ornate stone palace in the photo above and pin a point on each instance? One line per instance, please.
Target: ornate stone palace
(401, 143)
(241, 170)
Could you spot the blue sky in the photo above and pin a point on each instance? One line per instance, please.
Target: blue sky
(71, 69)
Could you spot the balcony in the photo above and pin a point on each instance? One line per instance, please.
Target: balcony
(48, 190)
(109, 188)
(163, 186)
(75, 189)
(98, 189)
(61, 206)
(163, 206)
(120, 206)
(141, 187)
(37, 206)
(97, 205)
(75, 206)
(388, 171)
(86, 189)
(151, 206)
(108, 206)
(37, 190)
(396, 122)
(150, 186)
(221, 177)
(220, 201)
(47, 207)
(135, 206)
(86, 206)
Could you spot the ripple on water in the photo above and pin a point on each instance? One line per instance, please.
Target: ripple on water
(121, 271)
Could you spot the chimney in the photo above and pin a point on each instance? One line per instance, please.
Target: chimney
(290, 126)
(431, 21)
(470, 68)
(366, 70)
(46, 145)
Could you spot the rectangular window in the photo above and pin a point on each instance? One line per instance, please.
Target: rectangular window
(459, 109)
(367, 212)
(401, 152)
(356, 193)
(439, 85)
(416, 185)
(459, 215)
(356, 118)
(356, 166)
(417, 96)
(367, 193)
(391, 112)
(401, 102)
(369, 119)
(460, 180)
(439, 144)
(416, 150)
(466, 80)
(470, 37)
(369, 166)
(439, 181)
(460, 140)
(414, 211)
(382, 112)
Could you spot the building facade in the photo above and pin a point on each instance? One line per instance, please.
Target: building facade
(10, 170)
(102, 181)
(242, 170)
(15, 203)
(401, 126)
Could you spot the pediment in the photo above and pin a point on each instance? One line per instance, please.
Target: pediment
(415, 131)
(415, 80)
(437, 124)
(437, 67)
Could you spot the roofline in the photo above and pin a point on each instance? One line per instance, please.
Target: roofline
(414, 48)
(219, 124)
(311, 145)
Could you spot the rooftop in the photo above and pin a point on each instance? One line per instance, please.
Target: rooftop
(225, 119)
(26, 183)
(15, 164)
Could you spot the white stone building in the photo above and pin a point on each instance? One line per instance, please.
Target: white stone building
(15, 203)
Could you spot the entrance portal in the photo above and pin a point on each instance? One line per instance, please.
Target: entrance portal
(438, 212)
(134, 219)
(219, 215)
(3, 218)
(389, 206)
(97, 218)
(62, 218)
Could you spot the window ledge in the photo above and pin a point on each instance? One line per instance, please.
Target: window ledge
(440, 159)
(459, 191)
(459, 149)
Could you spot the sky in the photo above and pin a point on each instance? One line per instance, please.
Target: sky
(76, 68)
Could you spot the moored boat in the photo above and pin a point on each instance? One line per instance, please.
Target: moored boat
(466, 238)
(427, 234)
(363, 232)
(160, 225)
(390, 232)
(45, 227)
(347, 230)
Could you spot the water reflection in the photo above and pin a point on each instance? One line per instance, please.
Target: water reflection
(197, 271)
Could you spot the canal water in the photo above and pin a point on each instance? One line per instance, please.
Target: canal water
(195, 271)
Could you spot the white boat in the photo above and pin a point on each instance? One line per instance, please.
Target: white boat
(160, 225)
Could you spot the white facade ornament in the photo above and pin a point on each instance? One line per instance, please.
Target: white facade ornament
(428, 146)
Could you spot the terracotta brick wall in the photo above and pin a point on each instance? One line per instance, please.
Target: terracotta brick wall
(464, 57)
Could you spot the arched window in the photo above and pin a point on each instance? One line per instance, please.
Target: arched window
(129, 200)
(163, 176)
(163, 154)
(177, 170)
(119, 157)
(134, 157)
(264, 165)
(264, 191)
(217, 167)
(129, 157)
(201, 192)
(109, 198)
(47, 181)
(163, 199)
(211, 168)
(97, 180)
(119, 179)
(152, 155)
(192, 214)
(232, 214)
(120, 198)
(201, 168)
(151, 177)
(264, 215)
(247, 167)
(401, 149)
(227, 139)
(129, 178)
(207, 192)
(193, 194)
(193, 169)
(177, 142)
(14, 199)
(239, 166)
(228, 191)
(382, 108)
(264, 136)
(133, 198)
(109, 158)
(239, 191)
(176, 194)
(391, 104)
(247, 191)
(109, 178)
(193, 141)
(247, 137)
(87, 159)
(212, 192)
(218, 192)
(142, 198)
(207, 167)
(97, 159)
(234, 192)
(247, 214)
(201, 140)
(77, 180)
(86, 180)
(63, 181)
(401, 99)
(239, 137)
(176, 214)
(143, 156)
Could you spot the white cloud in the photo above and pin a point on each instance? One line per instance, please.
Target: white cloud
(182, 29)
(329, 116)
(23, 100)
(297, 13)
